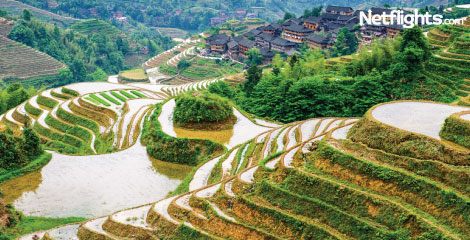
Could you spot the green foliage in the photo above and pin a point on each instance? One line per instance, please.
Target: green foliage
(33, 224)
(48, 102)
(183, 64)
(109, 98)
(346, 43)
(100, 100)
(456, 130)
(13, 95)
(222, 88)
(201, 107)
(70, 92)
(80, 121)
(32, 110)
(253, 57)
(18, 151)
(176, 150)
(33, 166)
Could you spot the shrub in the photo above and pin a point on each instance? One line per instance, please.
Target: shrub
(176, 150)
(197, 108)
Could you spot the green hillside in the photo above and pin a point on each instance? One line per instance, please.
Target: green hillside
(94, 26)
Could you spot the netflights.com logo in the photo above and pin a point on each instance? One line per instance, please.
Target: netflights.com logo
(408, 20)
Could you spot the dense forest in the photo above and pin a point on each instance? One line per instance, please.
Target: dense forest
(303, 87)
(89, 56)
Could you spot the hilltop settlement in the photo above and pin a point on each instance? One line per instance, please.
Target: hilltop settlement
(317, 32)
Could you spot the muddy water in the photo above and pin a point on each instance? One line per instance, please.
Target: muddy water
(222, 136)
(243, 129)
(91, 186)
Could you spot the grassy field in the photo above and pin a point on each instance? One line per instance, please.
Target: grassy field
(33, 224)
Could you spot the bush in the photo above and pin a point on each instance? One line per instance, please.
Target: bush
(196, 108)
(176, 150)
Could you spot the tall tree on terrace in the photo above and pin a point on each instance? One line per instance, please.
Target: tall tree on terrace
(253, 75)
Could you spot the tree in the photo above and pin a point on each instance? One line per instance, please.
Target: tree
(32, 143)
(183, 65)
(386, 5)
(414, 37)
(65, 76)
(254, 57)
(253, 76)
(288, 15)
(346, 43)
(27, 15)
(78, 70)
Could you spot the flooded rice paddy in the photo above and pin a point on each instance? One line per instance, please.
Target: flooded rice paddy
(91, 186)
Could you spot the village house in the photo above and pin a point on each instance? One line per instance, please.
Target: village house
(282, 45)
(312, 23)
(267, 55)
(274, 29)
(339, 10)
(296, 33)
(245, 45)
(218, 43)
(264, 40)
(315, 40)
(233, 49)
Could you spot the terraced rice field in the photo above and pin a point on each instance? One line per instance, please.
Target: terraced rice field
(21, 61)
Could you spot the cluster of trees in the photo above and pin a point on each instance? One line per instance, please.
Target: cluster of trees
(201, 107)
(88, 57)
(13, 95)
(346, 43)
(18, 151)
(301, 87)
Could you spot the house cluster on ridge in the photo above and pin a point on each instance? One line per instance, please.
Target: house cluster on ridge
(317, 32)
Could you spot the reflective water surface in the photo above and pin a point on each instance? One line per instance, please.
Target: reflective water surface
(90, 186)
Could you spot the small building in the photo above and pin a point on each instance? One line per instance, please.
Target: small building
(218, 43)
(296, 33)
(245, 45)
(253, 33)
(292, 21)
(328, 17)
(315, 40)
(264, 40)
(339, 10)
(267, 55)
(393, 30)
(312, 23)
(282, 45)
(233, 49)
(218, 21)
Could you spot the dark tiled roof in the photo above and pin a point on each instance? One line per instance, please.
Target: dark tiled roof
(232, 44)
(345, 17)
(269, 28)
(266, 36)
(247, 43)
(218, 37)
(313, 19)
(319, 39)
(282, 42)
(292, 21)
(266, 53)
(275, 25)
(339, 9)
(298, 28)
(253, 32)
(238, 38)
(329, 17)
(379, 10)
(332, 26)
